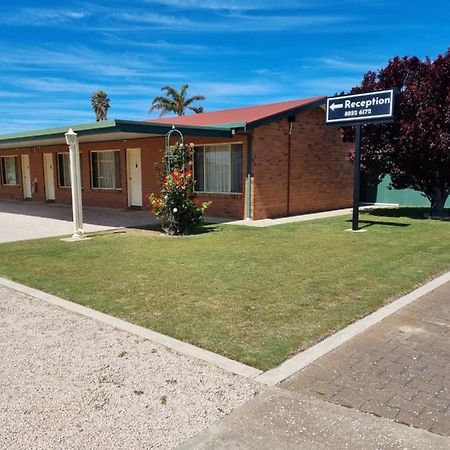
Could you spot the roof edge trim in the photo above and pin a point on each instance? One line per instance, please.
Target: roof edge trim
(286, 113)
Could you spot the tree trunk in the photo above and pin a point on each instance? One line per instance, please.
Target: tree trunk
(438, 203)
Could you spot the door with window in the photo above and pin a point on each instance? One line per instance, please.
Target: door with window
(26, 177)
(49, 177)
(134, 174)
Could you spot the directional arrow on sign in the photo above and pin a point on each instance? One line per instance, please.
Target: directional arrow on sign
(334, 106)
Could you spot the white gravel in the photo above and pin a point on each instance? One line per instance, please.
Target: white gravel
(69, 382)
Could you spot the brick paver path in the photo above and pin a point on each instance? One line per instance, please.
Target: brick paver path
(399, 369)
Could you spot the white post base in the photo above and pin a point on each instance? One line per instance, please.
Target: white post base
(77, 237)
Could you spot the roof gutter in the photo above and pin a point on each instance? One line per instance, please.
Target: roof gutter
(127, 126)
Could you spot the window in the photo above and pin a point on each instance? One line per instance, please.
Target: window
(218, 168)
(64, 179)
(9, 170)
(105, 169)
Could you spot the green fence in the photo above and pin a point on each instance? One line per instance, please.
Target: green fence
(379, 193)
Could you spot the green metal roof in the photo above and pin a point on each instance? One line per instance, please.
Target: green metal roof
(58, 131)
(106, 127)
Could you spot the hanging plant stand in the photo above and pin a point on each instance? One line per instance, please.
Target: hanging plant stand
(176, 206)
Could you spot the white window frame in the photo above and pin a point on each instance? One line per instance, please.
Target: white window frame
(2, 168)
(204, 146)
(92, 172)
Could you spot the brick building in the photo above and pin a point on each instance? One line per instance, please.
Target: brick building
(255, 162)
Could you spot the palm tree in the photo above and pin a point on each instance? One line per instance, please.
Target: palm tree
(176, 101)
(100, 105)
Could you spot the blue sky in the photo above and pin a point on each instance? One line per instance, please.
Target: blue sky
(235, 52)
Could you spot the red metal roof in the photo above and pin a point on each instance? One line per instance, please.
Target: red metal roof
(246, 114)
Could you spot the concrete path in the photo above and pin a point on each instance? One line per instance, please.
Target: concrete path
(282, 419)
(70, 382)
(32, 220)
(304, 217)
(21, 221)
(388, 388)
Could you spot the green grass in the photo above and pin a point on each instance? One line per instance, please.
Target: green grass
(253, 294)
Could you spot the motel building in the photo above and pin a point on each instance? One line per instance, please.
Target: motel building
(255, 162)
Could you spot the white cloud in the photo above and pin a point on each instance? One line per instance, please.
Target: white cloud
(82, 60)
(41, 16)
(254, 5)
(161, 20)
(245, 5)
(9, 94)
(264, 72)
(346, 65)
(50, 84)
(223, 89)
(234, 22)
(57, 86)
(210, 16)
(328, 85)
(158, 44)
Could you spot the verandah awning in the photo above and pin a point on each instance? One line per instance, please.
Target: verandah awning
(108, 130)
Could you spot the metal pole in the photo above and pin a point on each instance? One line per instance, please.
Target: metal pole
(75, 176)
(356, 178)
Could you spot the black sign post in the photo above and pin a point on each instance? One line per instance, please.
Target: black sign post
(356, 178)
(357, 110)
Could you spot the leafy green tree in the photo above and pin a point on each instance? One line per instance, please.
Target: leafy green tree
(175, 101)
(100, 105)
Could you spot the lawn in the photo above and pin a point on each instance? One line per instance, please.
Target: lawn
(256, 295)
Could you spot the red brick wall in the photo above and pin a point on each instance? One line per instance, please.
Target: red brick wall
(320, 174)
(151, 153)
(321, 177)
(91, 197)
(270, 152)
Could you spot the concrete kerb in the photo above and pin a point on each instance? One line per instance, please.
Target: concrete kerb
(301, 360)
(271, 377)
(167, 341)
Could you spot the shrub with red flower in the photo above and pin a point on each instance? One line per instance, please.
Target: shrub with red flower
(175, 206)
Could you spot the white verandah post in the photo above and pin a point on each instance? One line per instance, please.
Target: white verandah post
(75, 175)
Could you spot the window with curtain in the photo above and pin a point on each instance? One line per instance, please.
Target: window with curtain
(218, 168)
(64, 179)
(105, 169)
(9, 170)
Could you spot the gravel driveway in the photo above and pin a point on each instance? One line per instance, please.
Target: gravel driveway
(69, 382)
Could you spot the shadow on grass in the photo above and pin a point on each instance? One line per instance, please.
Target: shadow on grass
(369, 223)
(149, 227)
(201, 229)
(409, 212)
(206, 228)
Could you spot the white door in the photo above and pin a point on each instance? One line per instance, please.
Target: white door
(134, 177)
(26, 177)
(49, 177)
